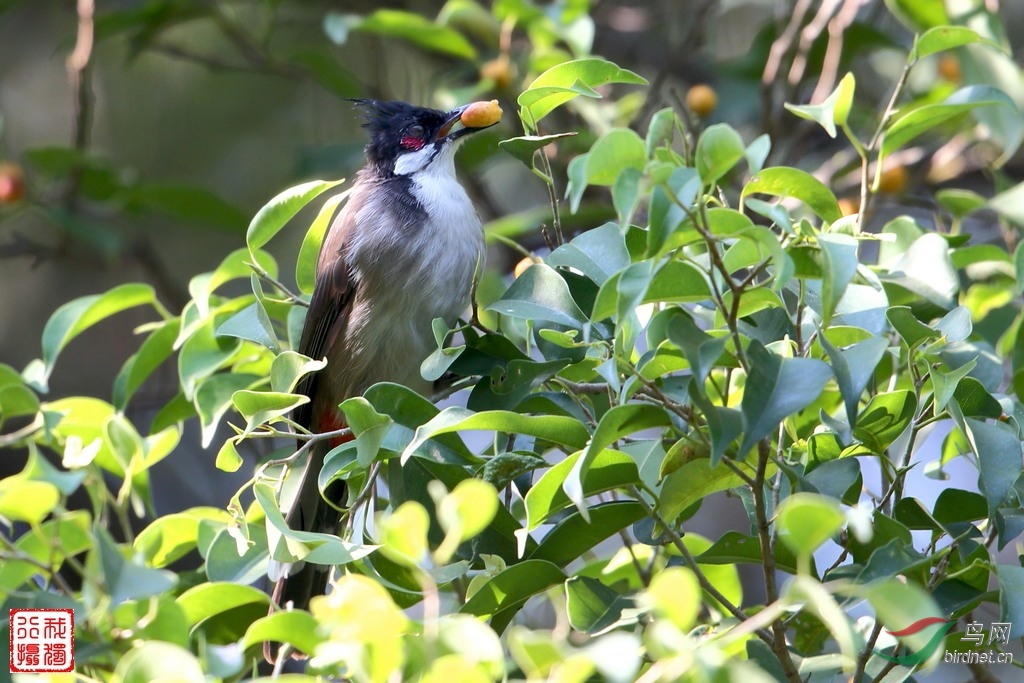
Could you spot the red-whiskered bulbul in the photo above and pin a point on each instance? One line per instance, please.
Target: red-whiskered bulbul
(402, 252)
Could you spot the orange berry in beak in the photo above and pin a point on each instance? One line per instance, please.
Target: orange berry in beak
(481, 114)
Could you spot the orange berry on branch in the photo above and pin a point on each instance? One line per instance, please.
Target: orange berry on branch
(498, 70)
(523, 264)
(949, 68)
(849, 206)
(12, 183)
(701, 99)
(894, 179)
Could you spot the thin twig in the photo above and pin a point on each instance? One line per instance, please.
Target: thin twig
(778, 642)
(705, 584)
(78, 77)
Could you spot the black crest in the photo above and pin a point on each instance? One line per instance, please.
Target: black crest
(388, 122)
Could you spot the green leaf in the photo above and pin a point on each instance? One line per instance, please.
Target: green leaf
(269, 220)
(261, 407)
(208, 600)
(26, 500)
(1010, 203)
(999, 457)
(719, 148)
(960, 202)
(669, 203)
(591, 606)
(289, 367)
(201, 355)
(126, 579)
(675, 594)
(76, 316)
(945, 383)
(236, 265)
(298, 628)
(898, 604)
(597, 253)
(724, 424)
(776, 388)
(674, 281)
(525, 146)
(188, 204)
(468, 509)
(504, 467)
(839, 265)
(609, 470)
(158, 619)
(782, 181)
(941, 38)
(512, 587)
(626, 194)
(975, 400)
(614, 151)
(573, 536)
(806, 520)
(957, 505)
(906, 126)
(224, 563)
(540, 293)
(173, 536)
(157, 348)
(288, 545)
(833, 111)
(893, 558)
(403, 533)
(693, 482)
(49, 543)
(618, 422)
(158, 661)
(884, 418)
(554, 428)
(660, 130)
(917, 15)
(213, 399)
(410, 26)
(912, 330)
(734, 548)
(701, 349)
(309, 251)
(854, 366)
(252, 324)
(1011, 598)
(566, 81)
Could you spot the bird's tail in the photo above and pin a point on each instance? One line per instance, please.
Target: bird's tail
(309, 512)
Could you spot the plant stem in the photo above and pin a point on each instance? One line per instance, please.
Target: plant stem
(705, 584)
(778, 642)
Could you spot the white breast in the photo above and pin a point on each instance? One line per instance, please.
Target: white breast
(408, 277)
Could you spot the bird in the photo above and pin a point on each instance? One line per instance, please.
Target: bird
(403, 250)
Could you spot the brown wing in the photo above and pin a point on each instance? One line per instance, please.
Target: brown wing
(330, 305)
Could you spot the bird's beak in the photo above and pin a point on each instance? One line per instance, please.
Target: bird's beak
(454, 116)
(484, 115)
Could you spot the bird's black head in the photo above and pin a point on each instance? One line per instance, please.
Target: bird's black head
(397, 129)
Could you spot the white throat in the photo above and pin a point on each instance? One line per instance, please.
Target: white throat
(428, 159)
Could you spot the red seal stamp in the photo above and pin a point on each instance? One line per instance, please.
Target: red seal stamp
(42, 640)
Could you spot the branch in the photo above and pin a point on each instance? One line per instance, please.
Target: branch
(78, 77)
(778, 643)
(688, 557)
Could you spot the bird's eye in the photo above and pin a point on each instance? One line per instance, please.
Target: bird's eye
(415, 130)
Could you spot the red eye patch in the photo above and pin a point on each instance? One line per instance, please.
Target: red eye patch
(410, 142)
